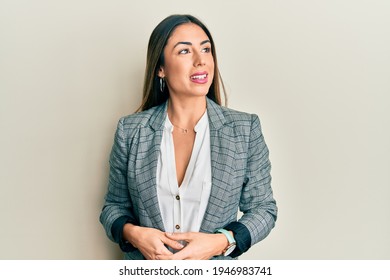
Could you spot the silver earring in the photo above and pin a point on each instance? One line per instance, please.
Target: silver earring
(162, 84)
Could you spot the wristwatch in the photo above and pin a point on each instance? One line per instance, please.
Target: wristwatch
(232, 242)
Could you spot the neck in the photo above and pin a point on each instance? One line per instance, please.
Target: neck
(186, 113)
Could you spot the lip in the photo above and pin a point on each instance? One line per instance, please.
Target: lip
(199, 77)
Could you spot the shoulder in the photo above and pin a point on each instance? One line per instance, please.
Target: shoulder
(141, 119)
(238, 120)
(245, 124)
(237, 117)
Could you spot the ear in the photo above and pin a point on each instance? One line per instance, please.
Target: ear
(161, 72)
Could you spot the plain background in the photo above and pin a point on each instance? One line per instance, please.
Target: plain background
(316, 72)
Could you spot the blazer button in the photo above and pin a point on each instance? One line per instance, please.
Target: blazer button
(178, 197)
(177, 227)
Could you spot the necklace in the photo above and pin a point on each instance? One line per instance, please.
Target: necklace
(183, 130)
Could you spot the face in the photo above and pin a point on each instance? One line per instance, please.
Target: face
(189, 64)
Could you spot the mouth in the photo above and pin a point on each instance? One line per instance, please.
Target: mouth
(199, 78)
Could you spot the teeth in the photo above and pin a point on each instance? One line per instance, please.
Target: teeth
(199, 77)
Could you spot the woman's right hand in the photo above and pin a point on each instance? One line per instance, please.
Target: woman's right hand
(149, 241)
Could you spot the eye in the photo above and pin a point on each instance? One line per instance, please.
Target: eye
(184, 51)
(206, 50)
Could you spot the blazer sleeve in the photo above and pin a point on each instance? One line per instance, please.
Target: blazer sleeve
(257, 202)
(117, 205)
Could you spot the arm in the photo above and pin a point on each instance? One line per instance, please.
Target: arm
(256, 202)
(117, 209)
(117, 216)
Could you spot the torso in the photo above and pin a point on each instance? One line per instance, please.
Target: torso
(183, 143)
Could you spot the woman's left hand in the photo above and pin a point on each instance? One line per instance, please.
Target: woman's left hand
(200, 246)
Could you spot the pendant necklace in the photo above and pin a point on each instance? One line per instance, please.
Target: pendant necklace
(183, 130)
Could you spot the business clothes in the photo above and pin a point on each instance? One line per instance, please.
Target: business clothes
(240, 176)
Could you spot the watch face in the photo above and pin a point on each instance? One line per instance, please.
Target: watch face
(230, 249)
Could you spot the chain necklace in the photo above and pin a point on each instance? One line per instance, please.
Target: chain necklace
(183, 130)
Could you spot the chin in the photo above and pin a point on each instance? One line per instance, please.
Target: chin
(201, 91)
(200, 94)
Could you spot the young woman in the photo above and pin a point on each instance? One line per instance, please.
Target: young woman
(182, 167)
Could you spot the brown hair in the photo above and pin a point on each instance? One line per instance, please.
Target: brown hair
(152, 96)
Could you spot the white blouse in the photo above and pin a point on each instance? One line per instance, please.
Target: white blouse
(183, 207)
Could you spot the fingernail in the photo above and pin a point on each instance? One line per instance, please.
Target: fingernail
(169, 233)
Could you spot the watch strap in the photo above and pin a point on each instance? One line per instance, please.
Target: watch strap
(228, 235)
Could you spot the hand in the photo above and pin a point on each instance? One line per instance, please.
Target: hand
(151, 242)
(201, 246)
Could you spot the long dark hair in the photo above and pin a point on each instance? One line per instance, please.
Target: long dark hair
(152, 96)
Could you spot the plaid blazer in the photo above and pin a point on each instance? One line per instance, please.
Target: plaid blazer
(240, 173)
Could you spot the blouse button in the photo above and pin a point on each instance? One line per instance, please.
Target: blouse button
(177, 227)
(178, 197)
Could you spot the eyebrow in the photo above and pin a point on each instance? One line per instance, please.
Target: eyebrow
(190, 44)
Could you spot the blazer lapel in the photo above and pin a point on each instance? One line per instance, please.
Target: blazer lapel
(223, 151)
(146, 169)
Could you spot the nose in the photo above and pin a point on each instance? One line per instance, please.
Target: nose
(199, 60)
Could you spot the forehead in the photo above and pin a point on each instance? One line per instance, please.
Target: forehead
(188, 32)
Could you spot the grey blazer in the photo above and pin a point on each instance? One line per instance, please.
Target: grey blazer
(240, 173)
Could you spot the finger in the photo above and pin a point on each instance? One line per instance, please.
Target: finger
(163, 257)
(172, 243)
(177, 256)
(186, 236)
(163, 251)
(181, 255)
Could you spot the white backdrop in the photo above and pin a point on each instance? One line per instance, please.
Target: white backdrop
(316, 72)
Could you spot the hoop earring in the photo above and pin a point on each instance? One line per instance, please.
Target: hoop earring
(162, 84)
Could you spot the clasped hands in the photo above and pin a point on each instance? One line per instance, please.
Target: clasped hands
(152, 243)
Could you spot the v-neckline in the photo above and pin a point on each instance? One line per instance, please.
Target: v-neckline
(193, 158)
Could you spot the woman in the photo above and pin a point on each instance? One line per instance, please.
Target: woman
(183, 165)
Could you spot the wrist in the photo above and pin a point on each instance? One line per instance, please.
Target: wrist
(221, 243)
(130, 233)
(230, 242)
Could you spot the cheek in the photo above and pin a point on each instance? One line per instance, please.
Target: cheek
(211, 62)
(175, 69)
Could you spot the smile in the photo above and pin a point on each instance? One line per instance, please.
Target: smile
(200, 78)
